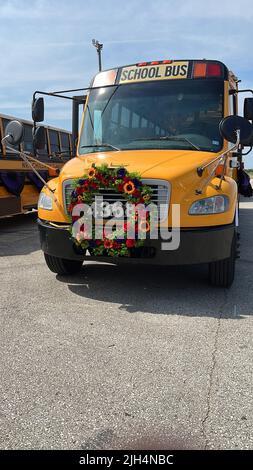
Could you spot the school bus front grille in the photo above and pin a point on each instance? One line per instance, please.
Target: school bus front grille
(160, 195)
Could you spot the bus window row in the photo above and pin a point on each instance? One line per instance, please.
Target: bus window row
(58, 142)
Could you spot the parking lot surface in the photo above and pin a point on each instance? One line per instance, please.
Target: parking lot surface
(126, 356)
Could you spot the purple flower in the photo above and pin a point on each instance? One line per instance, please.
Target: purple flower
(82, 181)
(137, 183)
(121, 173)
(74, 193)
(92, 244)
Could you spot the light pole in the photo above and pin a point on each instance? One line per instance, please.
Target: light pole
(99, 48)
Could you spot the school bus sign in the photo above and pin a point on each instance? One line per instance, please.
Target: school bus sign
(171, 71)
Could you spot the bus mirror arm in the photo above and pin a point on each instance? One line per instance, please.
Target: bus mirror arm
(220, 159)
(27, 161)
(200, 169)
(225, 156)
(51, 169)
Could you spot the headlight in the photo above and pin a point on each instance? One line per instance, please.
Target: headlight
(45, 202)
(210, 205)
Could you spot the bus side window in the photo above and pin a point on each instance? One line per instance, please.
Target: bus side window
(135, 121)
(125, 117)
(28, 138)
(54, 141)
(44, 153)
(98, 132)
(65, 144)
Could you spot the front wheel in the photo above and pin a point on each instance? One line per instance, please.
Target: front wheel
(222, 272)
(62, 266)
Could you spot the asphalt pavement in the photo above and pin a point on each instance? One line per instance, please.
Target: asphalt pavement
(123, 357)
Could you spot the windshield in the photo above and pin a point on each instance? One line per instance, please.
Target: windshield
(154, 115)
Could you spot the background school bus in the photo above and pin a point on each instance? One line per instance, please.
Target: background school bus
(19, 186)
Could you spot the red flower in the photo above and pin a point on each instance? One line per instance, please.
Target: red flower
(130, 243)
(108, 244)
(99, 242)
(104, 181)
(121, 187)
(136, 193)
(116, 245)
(99, 176)
(79, 191)
(85, 188)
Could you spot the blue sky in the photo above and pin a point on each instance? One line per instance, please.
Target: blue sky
(46, 44)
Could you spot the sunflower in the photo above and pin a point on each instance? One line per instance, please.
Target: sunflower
(129, 187)
(91, 173)
(146, 197)
(144, 226)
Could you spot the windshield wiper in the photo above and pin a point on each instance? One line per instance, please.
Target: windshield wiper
(100, 146)
(170, 138)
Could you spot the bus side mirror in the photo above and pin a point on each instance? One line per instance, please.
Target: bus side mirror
(230, 124)
(14, 133)
(39, 140)
(248, 109)
(38, 110)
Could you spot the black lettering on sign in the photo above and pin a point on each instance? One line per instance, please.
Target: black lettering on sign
(137, 74)
(130, 74)
(144, 73)
(175, 70)
(157, 74)
(151, 73)
(124, 74)
(168, 71)
(183, 72)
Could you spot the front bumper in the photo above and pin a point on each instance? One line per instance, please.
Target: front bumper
(197, 245)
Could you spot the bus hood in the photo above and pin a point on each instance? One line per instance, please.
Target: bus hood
(164, 164)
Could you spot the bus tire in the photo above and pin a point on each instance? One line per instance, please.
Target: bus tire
(222, 272)
(62, 266)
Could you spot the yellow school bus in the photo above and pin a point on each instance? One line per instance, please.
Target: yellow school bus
(170, 128)
(19, 186)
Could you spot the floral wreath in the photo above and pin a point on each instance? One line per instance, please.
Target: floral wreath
(133, 190)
